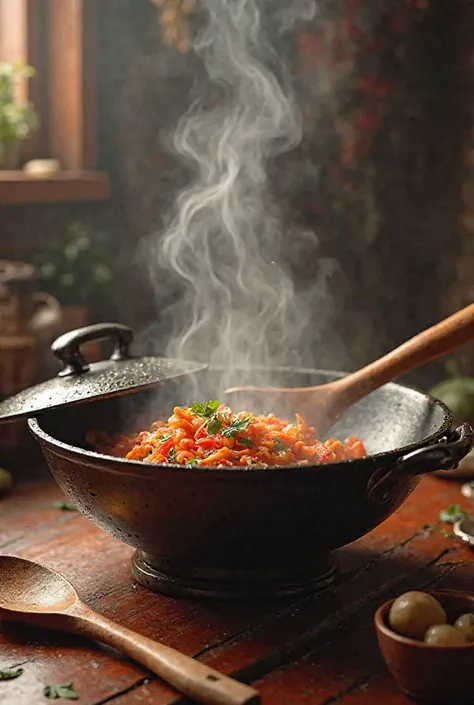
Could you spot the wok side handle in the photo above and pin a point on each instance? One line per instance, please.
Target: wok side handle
(445, 455)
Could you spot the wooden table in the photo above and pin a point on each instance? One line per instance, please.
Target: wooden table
(316, 650)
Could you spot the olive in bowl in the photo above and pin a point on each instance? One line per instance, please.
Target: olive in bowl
(437, 666)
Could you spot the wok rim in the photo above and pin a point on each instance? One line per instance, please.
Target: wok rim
(150, 469)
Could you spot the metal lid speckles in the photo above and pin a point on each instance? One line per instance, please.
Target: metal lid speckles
(78, 382)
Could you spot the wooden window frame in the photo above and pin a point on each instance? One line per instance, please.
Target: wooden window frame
(58, 38)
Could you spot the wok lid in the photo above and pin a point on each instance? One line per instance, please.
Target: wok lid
(79, 382)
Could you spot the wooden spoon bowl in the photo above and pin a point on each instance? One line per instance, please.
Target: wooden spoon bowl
(37, 596)
(323, 405)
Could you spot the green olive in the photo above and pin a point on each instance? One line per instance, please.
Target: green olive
(444, 635)
(465, 625)
(5, 481)
(413, 612)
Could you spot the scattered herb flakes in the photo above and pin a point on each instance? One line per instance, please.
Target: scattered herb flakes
(61, 690)
(64, 506)
(171, 456)
(436, 529)
(207, 410)
(247, 442)
(11, 675)
(237, 426)
(279, 446)
(192, 461)
(452, 514)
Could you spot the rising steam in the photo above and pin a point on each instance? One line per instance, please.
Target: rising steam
(237, 306)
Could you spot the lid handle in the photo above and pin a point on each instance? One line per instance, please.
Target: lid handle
(67, 346)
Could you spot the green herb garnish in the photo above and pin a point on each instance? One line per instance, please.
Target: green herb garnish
(171, 455)
(165, 437)
(452, 514)
(192, 461)
(207, 409)
(64, 506)
(11, 675)
(279, 446)
(61, 690)
(237, 426)
(214, 425)
(247, 442)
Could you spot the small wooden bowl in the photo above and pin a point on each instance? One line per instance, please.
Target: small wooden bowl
(432, 674)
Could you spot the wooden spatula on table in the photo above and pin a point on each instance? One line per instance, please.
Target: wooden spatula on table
(32, 594)
(323, 405)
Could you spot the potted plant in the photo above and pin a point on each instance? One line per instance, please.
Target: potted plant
(18, 121)
(76, 269)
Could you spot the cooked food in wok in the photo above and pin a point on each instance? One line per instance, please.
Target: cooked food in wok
(211, 435)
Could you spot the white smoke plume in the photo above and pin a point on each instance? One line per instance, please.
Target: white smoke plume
(237, 304)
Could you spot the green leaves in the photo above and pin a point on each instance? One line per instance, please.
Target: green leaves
(452, 514)
(64, 506)
(17, 120)
(11, 675)
(279, 446)
(247, 442)
(77, 267)
(214, 425)
(192, 461)
(207, 409)
(237, 426)
(61, 690)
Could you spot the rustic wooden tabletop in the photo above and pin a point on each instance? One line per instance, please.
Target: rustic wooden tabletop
(314, 650)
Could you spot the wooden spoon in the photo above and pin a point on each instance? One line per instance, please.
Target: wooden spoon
(323, 405)
(35, 595)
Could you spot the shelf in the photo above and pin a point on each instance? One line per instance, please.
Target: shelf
(18, 188)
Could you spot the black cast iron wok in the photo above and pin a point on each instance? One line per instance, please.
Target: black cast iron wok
(234, 532)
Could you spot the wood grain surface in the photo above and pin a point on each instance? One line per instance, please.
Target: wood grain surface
(316, 650)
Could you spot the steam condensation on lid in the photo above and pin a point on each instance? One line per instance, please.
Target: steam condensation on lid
(237, 305)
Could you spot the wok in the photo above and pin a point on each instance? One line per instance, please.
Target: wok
(224, 532)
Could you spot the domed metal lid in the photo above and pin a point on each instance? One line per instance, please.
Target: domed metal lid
(79, 382)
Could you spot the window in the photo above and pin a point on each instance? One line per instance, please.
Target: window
(58, 38)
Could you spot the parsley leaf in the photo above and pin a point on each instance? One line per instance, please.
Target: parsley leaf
(247, 442)
(452, 514)
(171, 456)
(237, 426)
(61, 690)
(165, 437)
(207, 409)
(192, 461)
(64, 506)
(11, 675)
(214, 425)
(279, 446)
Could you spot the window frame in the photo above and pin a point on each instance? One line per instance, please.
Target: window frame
(58, 38)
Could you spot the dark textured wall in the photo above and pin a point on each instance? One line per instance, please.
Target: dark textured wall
(389, 200)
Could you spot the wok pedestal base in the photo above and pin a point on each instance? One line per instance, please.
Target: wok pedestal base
(155, 574)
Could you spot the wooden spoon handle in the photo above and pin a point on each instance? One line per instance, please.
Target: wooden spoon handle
(188, 676)
(433, 343)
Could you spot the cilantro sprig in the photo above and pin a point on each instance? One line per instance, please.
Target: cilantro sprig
(61, 690)
(237, 426)
(452, 514)
(11, 674)
(209, 412)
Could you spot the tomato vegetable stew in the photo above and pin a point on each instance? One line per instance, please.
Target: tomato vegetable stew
(211, 435)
